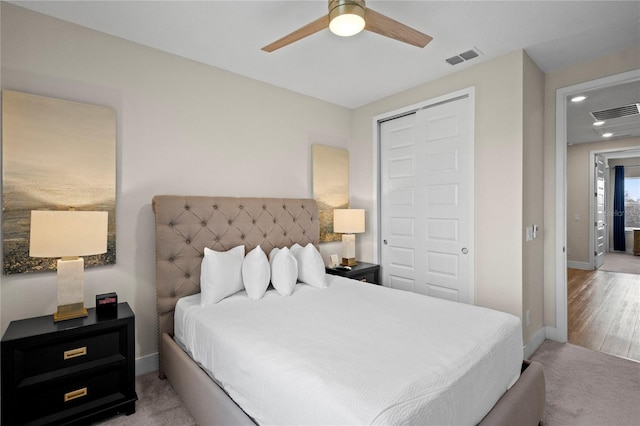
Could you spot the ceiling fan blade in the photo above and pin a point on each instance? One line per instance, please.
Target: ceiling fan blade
(383, 25)
(307, 30)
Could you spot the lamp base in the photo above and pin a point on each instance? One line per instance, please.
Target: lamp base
(70, 289)
(351, 261)
(67, 312)
(348, 250)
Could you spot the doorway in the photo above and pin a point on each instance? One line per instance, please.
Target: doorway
(562, 100)
(603, 210)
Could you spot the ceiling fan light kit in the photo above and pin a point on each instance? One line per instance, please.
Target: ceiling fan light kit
(346, 17)
(349, 17)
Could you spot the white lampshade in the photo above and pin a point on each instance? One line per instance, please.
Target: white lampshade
(68, 234)
(346, 17)
(348, 221)
(63, 233)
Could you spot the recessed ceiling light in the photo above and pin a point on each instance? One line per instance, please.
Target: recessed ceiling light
(598, 123)
(578, 98)
(607, 135)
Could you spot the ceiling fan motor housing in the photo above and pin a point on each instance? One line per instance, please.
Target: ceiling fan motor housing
(339, 7)
(345, 8)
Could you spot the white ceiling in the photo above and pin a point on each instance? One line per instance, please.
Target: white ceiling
(580, 128)
(358, 70)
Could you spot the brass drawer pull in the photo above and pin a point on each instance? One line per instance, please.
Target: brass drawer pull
(69, 396)
(73, 353)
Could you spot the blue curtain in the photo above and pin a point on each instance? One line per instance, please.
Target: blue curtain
(618, 210)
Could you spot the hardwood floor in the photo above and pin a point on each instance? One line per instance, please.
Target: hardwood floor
(604, 311)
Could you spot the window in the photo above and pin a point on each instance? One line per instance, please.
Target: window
(632, 202)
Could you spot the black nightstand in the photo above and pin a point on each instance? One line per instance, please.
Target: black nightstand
(69, 372)
(365, 272)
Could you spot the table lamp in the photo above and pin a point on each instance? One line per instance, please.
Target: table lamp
(68, 235)
(348, 222)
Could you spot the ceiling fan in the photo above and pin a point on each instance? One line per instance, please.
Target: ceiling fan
(349, 17)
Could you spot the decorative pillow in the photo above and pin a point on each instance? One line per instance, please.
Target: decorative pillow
(256, 273)
(220, 274)
(310, 265)
(284, 270)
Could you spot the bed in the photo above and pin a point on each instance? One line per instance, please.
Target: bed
(187, 224)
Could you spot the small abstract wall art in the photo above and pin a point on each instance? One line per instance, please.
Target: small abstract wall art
(330, 186)
(56, 155)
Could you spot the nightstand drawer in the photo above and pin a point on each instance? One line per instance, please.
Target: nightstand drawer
(367, 278)
(44, 358)
(38, 402)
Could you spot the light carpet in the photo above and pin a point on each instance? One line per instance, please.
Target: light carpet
(158, 405)
(584, 388)
(587, 388)
(621, 262)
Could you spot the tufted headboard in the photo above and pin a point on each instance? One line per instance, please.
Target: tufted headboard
(185, 225)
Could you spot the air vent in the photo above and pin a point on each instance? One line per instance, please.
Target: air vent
(464, 56)
(454, 60)
(469, 54)
(618, 112)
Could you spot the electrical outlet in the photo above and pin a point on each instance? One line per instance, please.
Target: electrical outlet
(527, 318)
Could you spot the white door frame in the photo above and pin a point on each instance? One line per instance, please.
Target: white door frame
(466, 92)
(562, 94)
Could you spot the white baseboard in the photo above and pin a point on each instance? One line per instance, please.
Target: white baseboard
(579, 265)
(147, 364)
(535, 342)
(552, 334)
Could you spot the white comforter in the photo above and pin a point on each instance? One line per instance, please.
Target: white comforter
(354, 353)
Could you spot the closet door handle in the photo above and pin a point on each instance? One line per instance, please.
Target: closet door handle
(465, 250)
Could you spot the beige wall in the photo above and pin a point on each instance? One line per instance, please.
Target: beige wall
(615, 63)
(498, 171)
(578, 199)
(532, 198)
(182, 128)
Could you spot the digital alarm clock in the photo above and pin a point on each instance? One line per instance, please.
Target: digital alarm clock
(107, 305)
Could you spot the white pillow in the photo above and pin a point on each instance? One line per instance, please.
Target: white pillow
(220, 274)
(310, 265)
(284, 271)
(256, 273)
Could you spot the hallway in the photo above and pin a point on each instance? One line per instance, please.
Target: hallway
(604, 311)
